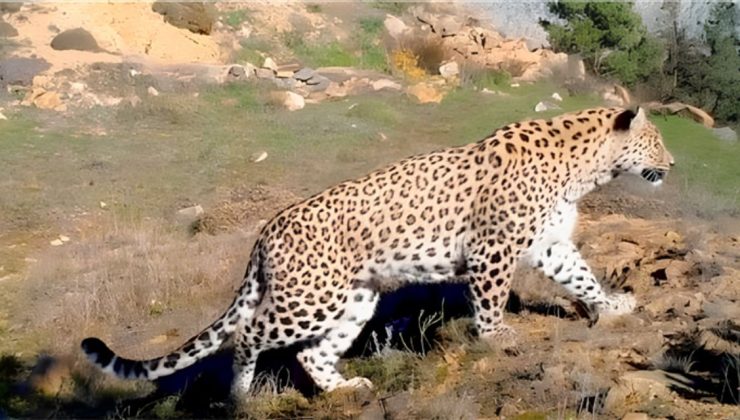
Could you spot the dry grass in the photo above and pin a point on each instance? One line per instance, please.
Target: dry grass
(129, 274)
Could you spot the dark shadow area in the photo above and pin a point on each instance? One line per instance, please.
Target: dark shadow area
(712, 373)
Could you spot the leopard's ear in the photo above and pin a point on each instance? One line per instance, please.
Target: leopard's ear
(629, 120)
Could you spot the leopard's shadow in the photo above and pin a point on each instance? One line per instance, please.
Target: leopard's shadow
(395, 324)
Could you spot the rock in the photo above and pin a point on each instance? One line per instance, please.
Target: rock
(237, 72)
(449, 70)
(75, 39)
(10, 7)
(198, 18)
(318, 83)
(2, 116)
(556, 96)
(258, 157)
(103, 204)
(725, 133)
(425, 93)
(645, 384)
(7, 30)
(289, 100)
(381, 84)
(335, 90)
(721, 309)
(20, 71)
(284, 74)
(676, 303)
(56, 242)
(636, 416)
(263, 73)
(43, 99)
(270, 64)
(395, 26)
(515, 85)
(304, 74)
(291, 67)
(152, 91)
(190, 214)
(64, 238)
(545, 106)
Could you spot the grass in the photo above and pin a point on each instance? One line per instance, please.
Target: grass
(389, 371)
(235, 18)
(364, 48)
(706, 167)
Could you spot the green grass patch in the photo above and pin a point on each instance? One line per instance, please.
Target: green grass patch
(703, 161)
(363, 50)
(391, 371)
(235, 18)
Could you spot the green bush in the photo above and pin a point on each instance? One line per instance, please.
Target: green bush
(609, 36)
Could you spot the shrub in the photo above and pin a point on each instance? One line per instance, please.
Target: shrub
(610, 37)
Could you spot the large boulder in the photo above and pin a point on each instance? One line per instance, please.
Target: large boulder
(195, 17)
(75, 39)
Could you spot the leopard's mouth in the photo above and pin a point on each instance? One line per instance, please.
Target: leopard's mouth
(653, 175)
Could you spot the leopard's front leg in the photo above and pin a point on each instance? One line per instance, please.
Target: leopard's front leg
(562, 262)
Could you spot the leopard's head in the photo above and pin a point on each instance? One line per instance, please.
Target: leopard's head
(638, 147)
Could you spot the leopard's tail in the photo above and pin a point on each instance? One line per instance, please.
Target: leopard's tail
(202, 345)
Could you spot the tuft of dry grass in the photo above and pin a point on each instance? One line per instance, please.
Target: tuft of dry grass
(129, 274)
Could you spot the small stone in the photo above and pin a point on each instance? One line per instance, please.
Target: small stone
(64, 238)
(635, 416)
(259, 157)
(237, 72)
(545, 106)
(270, 64)
(395, 26)
(381, 84)
(449, 70)
(304, 74)
(515, 85)
(103, 204)
(152, 91)
(673, 236)
(335, 90)
(318, 83)
(284, 74)
(556, 96)
(263, 73)
(289, 100)
(192, 212)
(76, 88)
(56, 242)
(2, 116)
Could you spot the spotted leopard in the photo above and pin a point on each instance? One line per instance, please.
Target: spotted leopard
(468, 214)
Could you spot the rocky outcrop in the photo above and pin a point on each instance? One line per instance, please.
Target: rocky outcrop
(466, 41)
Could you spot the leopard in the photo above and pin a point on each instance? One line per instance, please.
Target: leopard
(470, 214)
